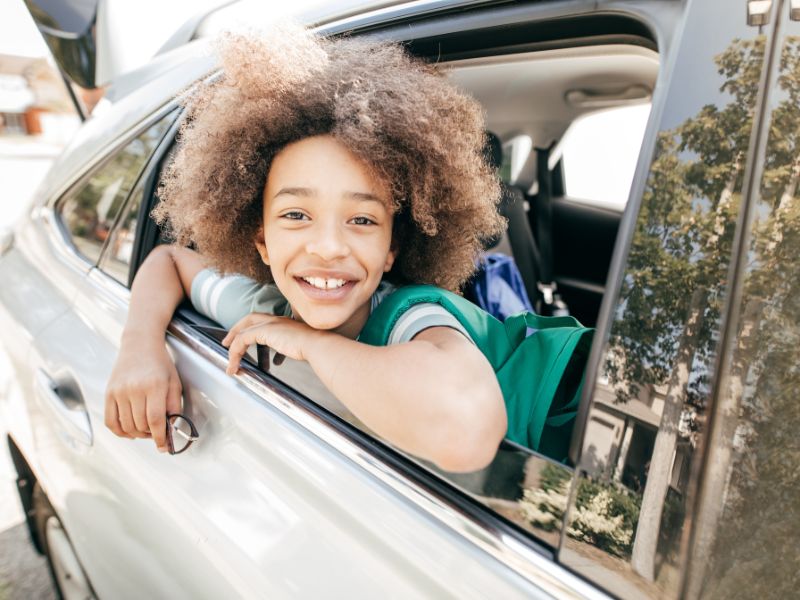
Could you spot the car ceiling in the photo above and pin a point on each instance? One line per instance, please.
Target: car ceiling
(526, 94)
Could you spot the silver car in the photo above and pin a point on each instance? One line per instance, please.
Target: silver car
(682, 476)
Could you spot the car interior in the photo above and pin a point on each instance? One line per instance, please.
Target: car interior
(537, 99)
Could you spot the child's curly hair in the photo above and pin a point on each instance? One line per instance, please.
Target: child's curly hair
(414, 129)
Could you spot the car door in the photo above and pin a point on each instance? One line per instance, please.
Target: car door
(662, 418)
(274, 487)
(281, 484)
(267, 492)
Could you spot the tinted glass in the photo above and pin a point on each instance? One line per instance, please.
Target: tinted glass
(89, 212)
(117, 256)
(749, 524)
(524, 488)
(650, 398)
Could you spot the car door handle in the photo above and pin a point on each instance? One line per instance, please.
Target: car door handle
(66, 404)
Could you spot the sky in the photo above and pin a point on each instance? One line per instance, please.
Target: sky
(18, 34)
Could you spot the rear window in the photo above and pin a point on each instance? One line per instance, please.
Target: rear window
(600, 152)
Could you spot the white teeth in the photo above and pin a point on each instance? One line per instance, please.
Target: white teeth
(325, 284)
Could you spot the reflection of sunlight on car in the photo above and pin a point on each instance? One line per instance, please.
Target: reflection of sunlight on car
(600, 153)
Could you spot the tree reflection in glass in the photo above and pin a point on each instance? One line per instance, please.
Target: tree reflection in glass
(651, 400)
(750, 517)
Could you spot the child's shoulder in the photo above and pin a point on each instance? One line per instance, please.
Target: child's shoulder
(401, 312)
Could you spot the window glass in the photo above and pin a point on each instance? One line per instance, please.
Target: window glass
(515, 153)
(117, 257)
(520, 485)
(600, 152)
(650, 397)
(749, 523)
(89, 212)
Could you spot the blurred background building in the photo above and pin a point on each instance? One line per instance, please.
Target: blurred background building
(34, 100)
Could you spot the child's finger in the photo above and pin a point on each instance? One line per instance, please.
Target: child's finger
(112, 418)
(245, 323)
(140, 407)
(240, 344)
(126, 418)
(157, 421)
(236, 351)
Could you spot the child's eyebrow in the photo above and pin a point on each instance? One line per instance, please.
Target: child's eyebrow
(310, 193)
(364, 196)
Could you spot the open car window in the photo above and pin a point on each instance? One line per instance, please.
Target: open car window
(525, 490)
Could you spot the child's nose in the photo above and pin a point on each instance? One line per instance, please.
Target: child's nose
(328, 243)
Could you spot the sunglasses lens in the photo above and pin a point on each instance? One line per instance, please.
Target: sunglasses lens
(180, 432)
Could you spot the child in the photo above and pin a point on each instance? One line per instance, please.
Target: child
(332, 170)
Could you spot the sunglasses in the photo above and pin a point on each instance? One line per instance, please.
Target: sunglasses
(181, 433)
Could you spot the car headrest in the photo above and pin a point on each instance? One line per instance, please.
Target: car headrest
(493, 150)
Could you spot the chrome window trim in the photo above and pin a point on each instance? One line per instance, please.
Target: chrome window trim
(517, 555)
(47, 213)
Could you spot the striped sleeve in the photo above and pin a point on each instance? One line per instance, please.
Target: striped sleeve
(225, 299)
(420, 317)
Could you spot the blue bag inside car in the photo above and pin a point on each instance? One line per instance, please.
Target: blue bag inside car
(497, 287)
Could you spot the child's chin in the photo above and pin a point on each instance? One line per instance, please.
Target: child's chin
(325, 324)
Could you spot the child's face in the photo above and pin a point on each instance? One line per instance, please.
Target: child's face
(327, 233)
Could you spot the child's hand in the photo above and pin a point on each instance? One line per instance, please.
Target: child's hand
(282, 334)
(144, 386)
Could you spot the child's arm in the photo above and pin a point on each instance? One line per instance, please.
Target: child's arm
(436, 396)
(144, 383)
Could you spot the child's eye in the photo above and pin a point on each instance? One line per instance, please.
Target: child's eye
(362, 221)
(294, 215)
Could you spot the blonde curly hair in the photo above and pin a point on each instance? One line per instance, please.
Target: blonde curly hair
(414, 129)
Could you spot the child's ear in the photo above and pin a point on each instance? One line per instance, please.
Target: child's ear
(261, 246)
(390, 259)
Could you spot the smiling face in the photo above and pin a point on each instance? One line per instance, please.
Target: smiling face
(327, 233)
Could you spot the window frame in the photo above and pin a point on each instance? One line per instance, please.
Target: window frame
(145, 184)
(78, 181)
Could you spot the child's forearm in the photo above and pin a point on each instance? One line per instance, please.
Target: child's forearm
(161, 284)
(155, 294)
(435, 398)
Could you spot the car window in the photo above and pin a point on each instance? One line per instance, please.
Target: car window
(89, 211)
(118, 253)
(655, 373)
(749, 520)
(600, 151)
(521, 487)
(515, 153)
